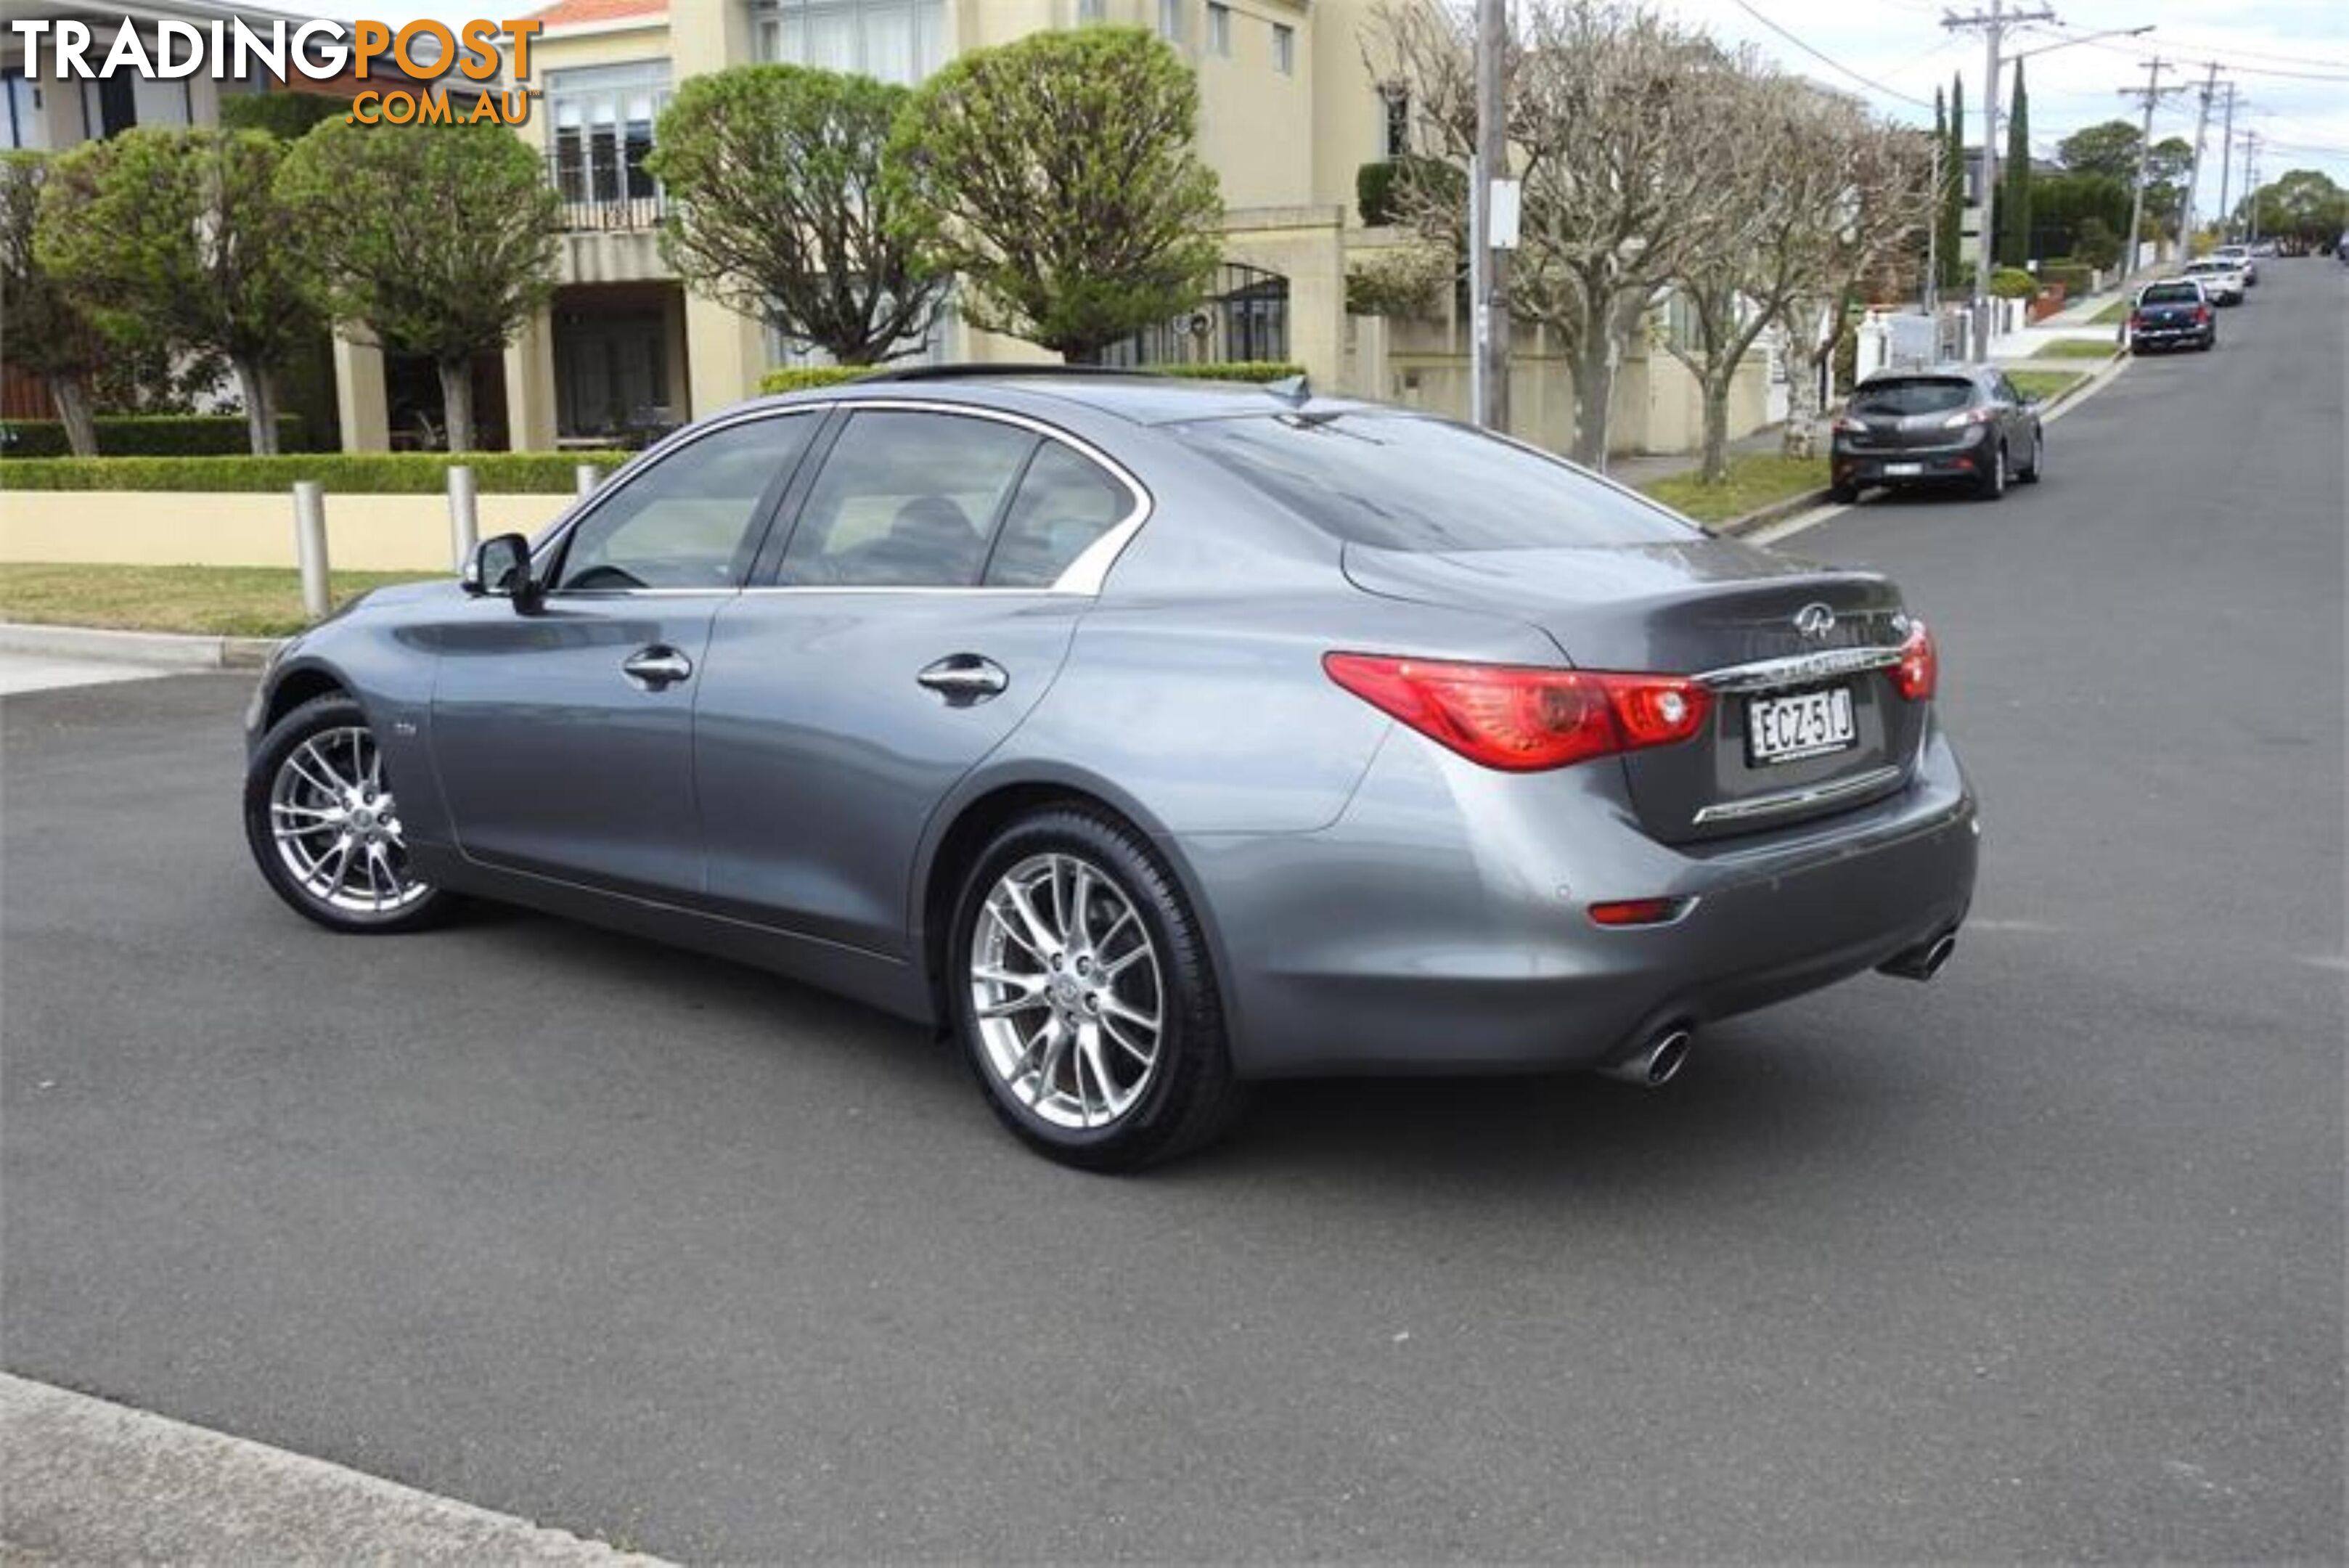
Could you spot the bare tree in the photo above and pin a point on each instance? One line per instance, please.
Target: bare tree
(1616, 127)
(1883, 177)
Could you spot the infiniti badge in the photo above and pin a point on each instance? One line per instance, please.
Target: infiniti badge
(1814, 620)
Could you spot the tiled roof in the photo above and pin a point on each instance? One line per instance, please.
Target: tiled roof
(573, 12)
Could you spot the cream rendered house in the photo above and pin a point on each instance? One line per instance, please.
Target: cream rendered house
(1290, 112)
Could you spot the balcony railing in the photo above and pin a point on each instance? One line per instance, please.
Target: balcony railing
(603, 186)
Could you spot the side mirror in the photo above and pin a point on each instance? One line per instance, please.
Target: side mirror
(501, 569)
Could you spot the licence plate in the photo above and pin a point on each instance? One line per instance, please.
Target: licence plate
(1904, 470)
(1807, 724)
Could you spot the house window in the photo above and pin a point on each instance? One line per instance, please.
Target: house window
(1284, 49)
(899, 41)
(1091, 11)
(1170, 20)
(602, 119)
(1398, 120)
(1219, 29)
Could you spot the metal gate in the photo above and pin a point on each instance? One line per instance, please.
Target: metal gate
(1245, 317)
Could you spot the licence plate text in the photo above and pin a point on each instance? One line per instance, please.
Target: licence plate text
(1902, 469)
(1807, 724)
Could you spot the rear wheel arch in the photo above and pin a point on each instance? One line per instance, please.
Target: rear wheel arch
(973, 827)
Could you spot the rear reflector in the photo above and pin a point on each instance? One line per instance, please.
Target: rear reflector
(1521, 719)
(1919, 674)
(1637, 911)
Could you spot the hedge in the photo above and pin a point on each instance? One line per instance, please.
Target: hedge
(2076, 277)
(799, 379)
(2012, 282)
(342, 473)
(145, 435)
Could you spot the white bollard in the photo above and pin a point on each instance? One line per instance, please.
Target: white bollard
(586, 476)
(310, 547)
(464, 513)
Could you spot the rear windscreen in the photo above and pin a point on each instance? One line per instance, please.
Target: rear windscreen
(1397, 481)
(1920, 395)
(2171, 293)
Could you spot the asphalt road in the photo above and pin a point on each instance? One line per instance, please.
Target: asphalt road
(2042, 1261)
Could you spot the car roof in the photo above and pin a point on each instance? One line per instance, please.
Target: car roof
(1946, 371)
(1144, 397)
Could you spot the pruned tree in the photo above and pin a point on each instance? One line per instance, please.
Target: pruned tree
(1950, 214)
(1058, 175)
(1782, 177)
(780, 210)
(438, 240)
(175, 241)
(2015, 200)
(1884, 176)
(46, 336)
(1615, 132)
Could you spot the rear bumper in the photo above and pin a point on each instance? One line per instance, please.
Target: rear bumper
(1861, 470)
(2170, 337)
(1440, 924)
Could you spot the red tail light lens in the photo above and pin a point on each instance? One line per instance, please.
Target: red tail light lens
(1851, 426)
(1919, 674)
(2136, 319)
(2201, 313)
(1522, 720)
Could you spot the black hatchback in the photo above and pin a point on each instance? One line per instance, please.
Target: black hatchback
(1952, 425)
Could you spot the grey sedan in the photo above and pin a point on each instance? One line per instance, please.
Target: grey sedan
(1148, 739)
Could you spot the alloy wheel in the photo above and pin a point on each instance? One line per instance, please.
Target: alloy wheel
(336, 826)
(1066, 990)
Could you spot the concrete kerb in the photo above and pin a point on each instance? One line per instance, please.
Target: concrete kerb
(152, 650)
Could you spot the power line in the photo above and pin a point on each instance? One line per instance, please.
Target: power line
(1870, 84)
(1992, 25)
(2220, 58)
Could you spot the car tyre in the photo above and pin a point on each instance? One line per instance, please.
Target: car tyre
(2029, 473)
(1991, 486)
(1080, 989)
(1844, 495)
(321, 817)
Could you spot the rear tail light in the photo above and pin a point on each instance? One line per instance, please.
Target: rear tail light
(1526, 720)
(1968, 417)
(2136, 319)
(2201, 313)
(1851, 426)
(1919, 670)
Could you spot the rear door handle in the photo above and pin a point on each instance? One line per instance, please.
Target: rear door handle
(657, 666)
(964, 677)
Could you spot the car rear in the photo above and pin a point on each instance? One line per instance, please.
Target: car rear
(2169, 315)
(1726, 788)
(1913, 429)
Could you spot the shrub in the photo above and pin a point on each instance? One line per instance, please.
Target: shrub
(2074, 277)
(1383, 191)
(800, 378)
(2012, 282)
(1256, 371)
(342, 473)
(145, 435)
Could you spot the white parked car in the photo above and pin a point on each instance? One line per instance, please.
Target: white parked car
(2244, 258)
(2221, 279)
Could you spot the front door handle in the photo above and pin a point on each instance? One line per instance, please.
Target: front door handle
(657, 666)
(963, 677)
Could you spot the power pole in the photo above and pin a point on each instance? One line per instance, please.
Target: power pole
(2251, 178)
(2194, 171)
(2226, 151)
(1993, 24)
(2152, 93)
(1489, 310)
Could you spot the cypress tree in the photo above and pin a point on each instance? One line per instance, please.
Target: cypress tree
(2015, 200)
(1953, 189)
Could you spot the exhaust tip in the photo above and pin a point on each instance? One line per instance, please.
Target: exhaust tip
(1655, 1063)
(1922, 961)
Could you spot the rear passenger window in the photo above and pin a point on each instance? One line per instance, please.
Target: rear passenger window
(1066, 502)
(906, 499)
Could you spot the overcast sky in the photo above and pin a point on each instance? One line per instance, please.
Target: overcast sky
(2289, 60)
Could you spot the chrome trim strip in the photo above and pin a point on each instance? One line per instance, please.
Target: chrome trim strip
(1798, 669)
(1797, 799)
